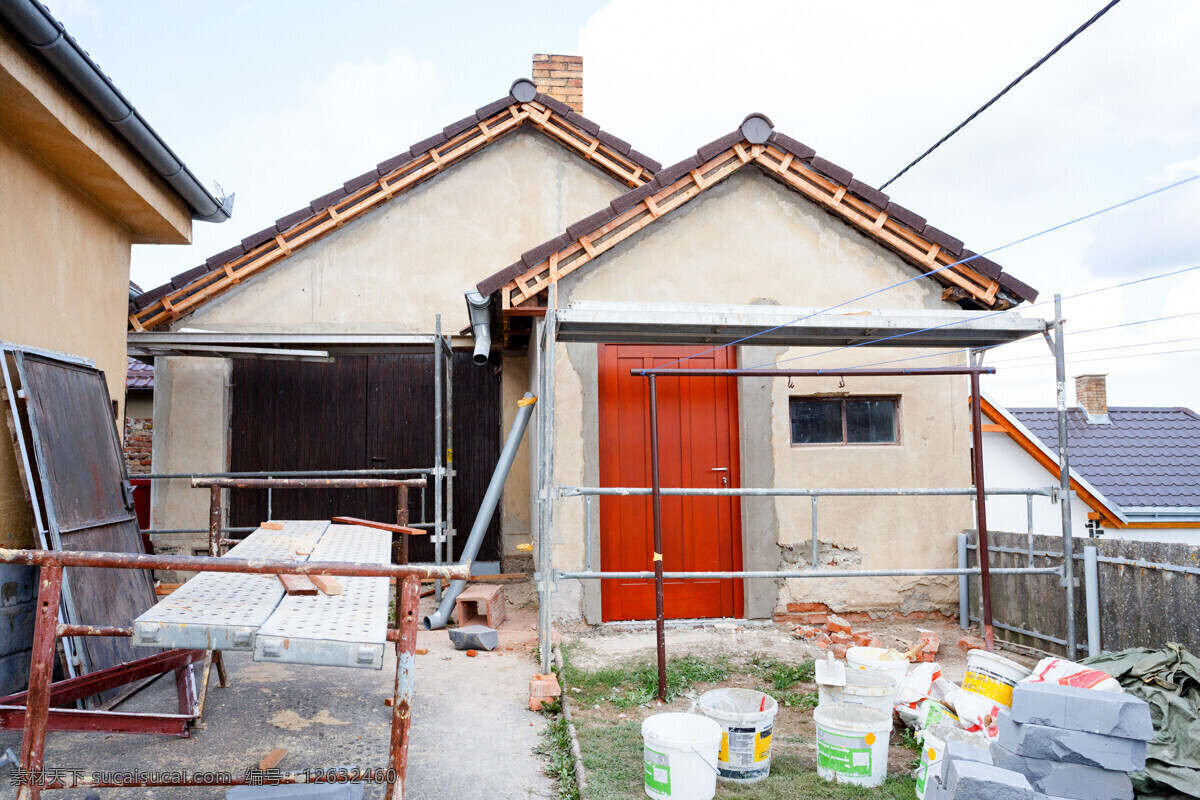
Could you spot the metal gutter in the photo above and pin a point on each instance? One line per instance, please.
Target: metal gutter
(41, 31)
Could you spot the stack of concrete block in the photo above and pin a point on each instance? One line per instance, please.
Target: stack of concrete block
(1074, 743)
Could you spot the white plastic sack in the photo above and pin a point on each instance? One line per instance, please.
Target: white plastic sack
(1068, 673)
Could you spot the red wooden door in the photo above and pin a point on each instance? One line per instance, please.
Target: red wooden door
(698, 447)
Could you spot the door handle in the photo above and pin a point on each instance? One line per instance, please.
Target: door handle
(720, 469)
(724, 478)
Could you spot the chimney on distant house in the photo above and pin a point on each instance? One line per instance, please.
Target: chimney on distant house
(1091, 394)
(561, 77)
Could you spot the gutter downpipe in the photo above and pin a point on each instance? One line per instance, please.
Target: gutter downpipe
(487, 508)
(41, 31)
(478, 307)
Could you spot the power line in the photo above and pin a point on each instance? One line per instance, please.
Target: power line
(1065, 333)
(1004, 91)
(1098, 350)
(981, 316)
(1022, 240)
(1114, 358)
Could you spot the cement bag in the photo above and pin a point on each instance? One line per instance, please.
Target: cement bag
(976, 713)
(917, 684)
(1068, 673)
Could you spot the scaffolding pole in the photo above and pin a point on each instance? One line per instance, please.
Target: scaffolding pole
(1064, 475)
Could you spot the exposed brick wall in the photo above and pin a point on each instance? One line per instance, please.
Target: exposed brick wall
(139, 437)
(1091, 393)
(561, 77)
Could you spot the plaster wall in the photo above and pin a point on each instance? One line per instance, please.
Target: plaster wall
(746, 241)
(392, 271)
(64, 277)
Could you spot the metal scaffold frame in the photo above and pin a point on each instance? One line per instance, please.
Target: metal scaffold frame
(548, 492)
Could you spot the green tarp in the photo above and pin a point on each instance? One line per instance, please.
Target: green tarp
(1169, 680)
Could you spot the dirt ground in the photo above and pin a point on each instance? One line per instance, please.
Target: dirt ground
(610, 735)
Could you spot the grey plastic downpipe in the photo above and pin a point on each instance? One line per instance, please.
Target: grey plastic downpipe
(44, 33)
(479, 307)
(483, 518)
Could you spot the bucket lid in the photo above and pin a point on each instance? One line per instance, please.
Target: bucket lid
(859, 719)
(737, 704)
(676, 729)
(879, 655)
(1001, 660)
(871, 679)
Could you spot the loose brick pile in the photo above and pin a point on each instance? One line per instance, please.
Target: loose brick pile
(139, 441)
(816, 624)
(1056, 742)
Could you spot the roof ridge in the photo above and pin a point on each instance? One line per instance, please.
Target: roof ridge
(979, 282)
(422, 160)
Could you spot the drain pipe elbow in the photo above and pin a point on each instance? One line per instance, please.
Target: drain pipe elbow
(479, 307)
(487, 508)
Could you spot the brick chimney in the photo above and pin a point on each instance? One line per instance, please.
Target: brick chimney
(1091, 394)
(561, 77)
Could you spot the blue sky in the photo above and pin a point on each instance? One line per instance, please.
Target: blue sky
(281, 101)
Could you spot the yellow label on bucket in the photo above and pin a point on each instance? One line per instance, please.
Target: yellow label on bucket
(932, 754)
(723, 753)
(869, 738)
(762, 745)
(988, 686)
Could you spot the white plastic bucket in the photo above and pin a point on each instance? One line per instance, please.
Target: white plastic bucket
(852, 743)
(992, 676)
(864, 687)
(880, 659)
(680, 756)
(745, 752)
(934, 749)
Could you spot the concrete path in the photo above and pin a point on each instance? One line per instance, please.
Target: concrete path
(472, 737)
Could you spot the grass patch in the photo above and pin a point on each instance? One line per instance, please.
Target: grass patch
(783, 675)
(797, 699)
(637, 684)
(556, 749)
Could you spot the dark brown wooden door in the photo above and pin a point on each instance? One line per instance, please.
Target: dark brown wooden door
(363, 412)
(698, 447)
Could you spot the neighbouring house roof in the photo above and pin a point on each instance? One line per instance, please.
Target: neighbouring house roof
(981, 283)
(522, 107)
(1144, 457)
(139, 375)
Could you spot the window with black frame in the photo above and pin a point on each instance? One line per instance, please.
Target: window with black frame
(844, 420)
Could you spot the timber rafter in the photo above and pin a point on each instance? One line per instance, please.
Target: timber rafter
(542, 114)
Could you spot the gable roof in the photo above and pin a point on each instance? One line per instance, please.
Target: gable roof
(980, 283)
(522, 107)
(139, 375)
(1144, 457)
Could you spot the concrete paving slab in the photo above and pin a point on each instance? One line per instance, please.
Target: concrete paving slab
(1059, 779)
(473, 734)
(1071, 747)
(1078, 709)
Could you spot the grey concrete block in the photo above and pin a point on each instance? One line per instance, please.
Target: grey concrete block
(956, 750)
(1082, 710)
(299, 791)
(1059, 779)
(971, 780)
(474, 637)
(935, 789)
(1072, 747)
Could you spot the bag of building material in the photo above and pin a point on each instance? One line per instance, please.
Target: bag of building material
(924, 681)
(1068, 673)
(976, 713)
(1169, 680)
(928, 713)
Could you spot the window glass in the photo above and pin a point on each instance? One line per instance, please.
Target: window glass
(871, 420)
(816, 421)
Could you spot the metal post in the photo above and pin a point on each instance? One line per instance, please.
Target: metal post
(449, 449)
(547, 581)
(438, 530)
(408, 598)
(660, 629)
(402, 519)
(815, 545)
(1091, 589)
(1029, 525)
(41, 673)
(964, 588)
(214, 521)
(985, 580)
(1064, 476)
(587, 533)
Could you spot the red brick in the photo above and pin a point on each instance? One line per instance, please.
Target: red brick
(839, 651)
(837, 624)
(875, 643)
(971, 643)
(862, 638)
(799, 608)
(814, 617)
(838, 637)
